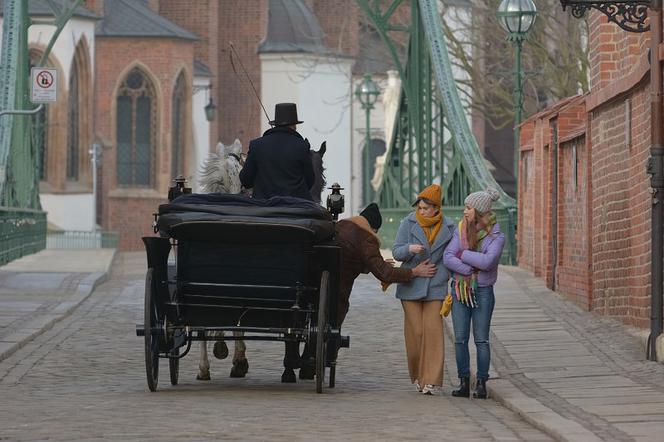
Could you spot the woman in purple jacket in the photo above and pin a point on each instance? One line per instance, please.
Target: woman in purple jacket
(473, 255)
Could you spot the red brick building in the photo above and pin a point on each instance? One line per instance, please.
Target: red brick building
(584, 201)
(147, 56)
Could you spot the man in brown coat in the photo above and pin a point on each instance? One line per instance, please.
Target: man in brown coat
(360, 253)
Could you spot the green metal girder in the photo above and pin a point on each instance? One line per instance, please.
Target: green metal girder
(19, 147)
(432, 140)
(22, 222)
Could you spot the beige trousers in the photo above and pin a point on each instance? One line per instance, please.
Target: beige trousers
(425, 344)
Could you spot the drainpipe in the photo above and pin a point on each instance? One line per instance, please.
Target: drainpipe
(656, 171)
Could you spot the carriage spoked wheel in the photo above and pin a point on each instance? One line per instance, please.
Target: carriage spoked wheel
(321, 325)
(174, 357)
(174, 366)
(151, 324)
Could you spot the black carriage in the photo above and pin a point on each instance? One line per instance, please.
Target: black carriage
(268, 268)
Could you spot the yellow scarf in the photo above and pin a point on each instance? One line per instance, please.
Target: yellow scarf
(430, 225)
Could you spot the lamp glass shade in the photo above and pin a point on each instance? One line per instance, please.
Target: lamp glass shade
(517, 16)
(210, 111)
(367, 91)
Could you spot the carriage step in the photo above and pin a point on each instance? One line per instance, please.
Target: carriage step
(140, 330)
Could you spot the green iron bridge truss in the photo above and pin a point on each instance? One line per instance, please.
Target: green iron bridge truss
(431, 140)
(22, 221)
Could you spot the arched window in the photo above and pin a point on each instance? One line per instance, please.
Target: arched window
(177, 127)
(135, 131)
(73, 129)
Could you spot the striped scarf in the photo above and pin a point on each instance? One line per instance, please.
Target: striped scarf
(465, 287)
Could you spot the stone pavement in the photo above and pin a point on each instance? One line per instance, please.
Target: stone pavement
(571, 374)
(39, 290)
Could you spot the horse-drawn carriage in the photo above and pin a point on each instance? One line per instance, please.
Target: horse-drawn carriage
(266, 268)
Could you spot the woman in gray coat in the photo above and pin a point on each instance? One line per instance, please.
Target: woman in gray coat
(422, 237)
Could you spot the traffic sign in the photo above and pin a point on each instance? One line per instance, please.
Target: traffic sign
(44, 85)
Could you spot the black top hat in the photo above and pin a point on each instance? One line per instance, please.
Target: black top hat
(285, 114)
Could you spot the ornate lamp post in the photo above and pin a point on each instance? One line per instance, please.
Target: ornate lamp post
(517, 17)
(631, 16)
(367, 93)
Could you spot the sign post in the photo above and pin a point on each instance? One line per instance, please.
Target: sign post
(44, 85)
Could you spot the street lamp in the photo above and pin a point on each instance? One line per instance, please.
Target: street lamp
(516, 17)
(210, 111)
(631, 16)
(367, 93)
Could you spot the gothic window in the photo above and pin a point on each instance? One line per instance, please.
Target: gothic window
(73, 147)
(177, 127)
(135, 131)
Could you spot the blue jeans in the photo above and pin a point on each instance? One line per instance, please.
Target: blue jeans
(481, 319)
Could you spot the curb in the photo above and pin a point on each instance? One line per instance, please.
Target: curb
(538, 415)
(42, 323)
(531, 410)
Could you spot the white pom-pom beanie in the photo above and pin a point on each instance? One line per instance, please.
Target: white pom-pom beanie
(482, 200)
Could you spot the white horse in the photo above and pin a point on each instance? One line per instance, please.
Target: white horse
(221, 173)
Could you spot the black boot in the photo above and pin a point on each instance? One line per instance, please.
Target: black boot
(464, 388)
(480, 389)
(288, 376)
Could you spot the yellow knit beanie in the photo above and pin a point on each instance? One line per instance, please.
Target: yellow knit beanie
(432, 194)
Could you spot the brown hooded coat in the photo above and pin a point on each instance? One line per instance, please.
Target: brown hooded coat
(360, 253)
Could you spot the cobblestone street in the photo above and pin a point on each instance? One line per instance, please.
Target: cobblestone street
(84, 379)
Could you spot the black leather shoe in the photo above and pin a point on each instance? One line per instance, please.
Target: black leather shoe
(480, 389)
(288, 376)
(464, 388)
(308, 370)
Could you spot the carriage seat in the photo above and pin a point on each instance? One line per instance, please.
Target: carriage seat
(235, 218)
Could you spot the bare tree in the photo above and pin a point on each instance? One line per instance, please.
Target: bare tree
(554, 58)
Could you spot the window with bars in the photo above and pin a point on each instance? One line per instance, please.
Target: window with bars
(177, 127)
(135, 132)
(73, 147)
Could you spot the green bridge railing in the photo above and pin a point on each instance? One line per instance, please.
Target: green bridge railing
(22, 232)
(73, 239)
(392, 218)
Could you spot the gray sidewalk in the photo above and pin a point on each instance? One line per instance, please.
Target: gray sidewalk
(572, 374)
(39, 290)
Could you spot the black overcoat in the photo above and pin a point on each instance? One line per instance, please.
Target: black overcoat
(278, 164)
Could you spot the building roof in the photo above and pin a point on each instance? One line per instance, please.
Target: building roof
(132, 18)
(291, 27)
(41, 8)
(201, 69)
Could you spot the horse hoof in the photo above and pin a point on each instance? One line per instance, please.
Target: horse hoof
(307, 372)
(288, 376)
(240, 368)
(203, 377)
(220, 350)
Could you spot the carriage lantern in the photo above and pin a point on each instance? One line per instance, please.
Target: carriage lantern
(178, 189)
(335, 201)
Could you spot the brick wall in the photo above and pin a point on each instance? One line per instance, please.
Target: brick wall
(607, 269)
(129, 211)
(205, 25)
(561, 256)
(621, 209)
(243, 22)
(340, 22)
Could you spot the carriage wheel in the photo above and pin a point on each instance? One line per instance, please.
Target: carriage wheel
(151, 337)
(320, 335)
(174, 366)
